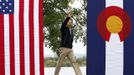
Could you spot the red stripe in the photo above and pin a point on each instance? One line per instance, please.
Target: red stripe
(41, 37)
(31, 38)
(2, 60)
(21, 36)
(11, 34)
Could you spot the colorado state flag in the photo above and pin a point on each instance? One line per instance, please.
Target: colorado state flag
(110, 37)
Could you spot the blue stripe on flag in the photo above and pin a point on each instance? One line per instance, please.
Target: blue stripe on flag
(129, 42)
(96, 44)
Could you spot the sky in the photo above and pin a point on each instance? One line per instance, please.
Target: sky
(76, 4)
(78, 47)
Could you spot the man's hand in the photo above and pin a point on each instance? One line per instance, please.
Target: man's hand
(69, 13)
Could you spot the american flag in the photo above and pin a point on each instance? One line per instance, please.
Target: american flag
(21, 37)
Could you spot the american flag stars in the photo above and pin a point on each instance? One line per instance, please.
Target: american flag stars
(6, 7)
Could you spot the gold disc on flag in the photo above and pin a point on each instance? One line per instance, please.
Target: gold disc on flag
(114, 24)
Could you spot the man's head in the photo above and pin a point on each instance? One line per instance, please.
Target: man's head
(70, 23)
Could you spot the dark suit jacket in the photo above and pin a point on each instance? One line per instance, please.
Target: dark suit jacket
(66, 36)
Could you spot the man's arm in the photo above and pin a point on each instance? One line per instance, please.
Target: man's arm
(66, 20)
(65, 23)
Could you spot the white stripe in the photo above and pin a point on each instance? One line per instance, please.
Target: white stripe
(114, 48)
(16, 37)
(36, 36)
(6, 44)
(118, 3)
(26, 37)
(114, 56)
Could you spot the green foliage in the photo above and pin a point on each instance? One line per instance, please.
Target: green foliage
(54, 15)
(50, 63)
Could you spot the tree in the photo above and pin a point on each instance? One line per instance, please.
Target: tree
(54, 12)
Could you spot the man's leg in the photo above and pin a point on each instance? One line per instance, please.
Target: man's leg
(63, 53)
(72, 59)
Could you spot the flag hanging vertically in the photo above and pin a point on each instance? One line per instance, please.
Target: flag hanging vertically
(110, 37)
(21, 37)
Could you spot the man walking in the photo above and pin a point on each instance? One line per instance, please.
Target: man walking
(66, 46)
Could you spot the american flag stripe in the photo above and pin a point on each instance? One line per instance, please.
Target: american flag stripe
(26, 34)
(6, 44)
(36, 37)
(41, 38)
(31, 30)
(11, 34)
(2, 60)
(21, 37)
(16, 36)
(21, 41)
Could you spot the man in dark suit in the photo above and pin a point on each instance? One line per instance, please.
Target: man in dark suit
(66, 46)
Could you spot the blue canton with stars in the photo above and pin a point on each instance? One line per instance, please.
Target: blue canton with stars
(6, 6)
